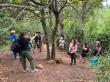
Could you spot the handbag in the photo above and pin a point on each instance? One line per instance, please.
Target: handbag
(68, 53)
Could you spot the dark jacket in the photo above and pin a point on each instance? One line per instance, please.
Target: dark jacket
(25, 44)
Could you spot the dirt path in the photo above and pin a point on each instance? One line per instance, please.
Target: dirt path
(10, 70)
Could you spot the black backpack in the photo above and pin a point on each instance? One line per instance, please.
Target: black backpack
(16, 47)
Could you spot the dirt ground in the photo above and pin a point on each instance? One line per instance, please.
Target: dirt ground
(11, 70)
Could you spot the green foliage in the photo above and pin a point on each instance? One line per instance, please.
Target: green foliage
(43, 1)
(18, 1)
(103, 69)
(104, 38)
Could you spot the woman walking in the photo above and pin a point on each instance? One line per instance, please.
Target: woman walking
(25, 45)
(72, 51)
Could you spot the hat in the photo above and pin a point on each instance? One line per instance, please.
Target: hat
(97, 42)
(13, 31)
(61, 38)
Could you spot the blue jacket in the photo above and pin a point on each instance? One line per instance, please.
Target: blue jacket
(13, 37)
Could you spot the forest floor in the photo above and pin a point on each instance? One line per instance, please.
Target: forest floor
(11, 70)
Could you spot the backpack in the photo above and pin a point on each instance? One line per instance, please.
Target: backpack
(16, 47)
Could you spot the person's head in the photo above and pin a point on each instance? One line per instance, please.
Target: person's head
(23, 35)
(97, 43)
(74, 41)
(61, 38)
(38, 33)
(13, 32)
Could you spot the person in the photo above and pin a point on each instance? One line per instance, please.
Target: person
(16, 49)
(84, 53)
(13, 36)
(61, 42)
(72, 51)
(24, 42)
(13, 39)
(98, 49)
(96, 54)
(38, 41)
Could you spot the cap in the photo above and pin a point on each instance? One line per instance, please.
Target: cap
(97, 42)
(13, 31)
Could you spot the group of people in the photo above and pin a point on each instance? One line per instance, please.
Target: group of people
(73, 49)
(23, 45)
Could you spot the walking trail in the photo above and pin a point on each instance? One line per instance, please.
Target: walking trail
(11, 70)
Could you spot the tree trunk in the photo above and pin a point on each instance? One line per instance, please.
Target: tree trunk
(43, 21)
(61, 24)
(50, 19)
(53, 54)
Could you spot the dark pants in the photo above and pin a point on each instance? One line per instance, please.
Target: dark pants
(73, 57)
(38, 45)
(23, 56)
(16, 54)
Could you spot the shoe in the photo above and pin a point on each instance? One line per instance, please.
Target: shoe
(74, 64)
(24, 71)
(71, 63)
(27, 69)
(34, 70)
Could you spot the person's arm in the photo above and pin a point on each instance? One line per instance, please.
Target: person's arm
(70, 47)
(76, 48)
(32, 38)
(99, 50)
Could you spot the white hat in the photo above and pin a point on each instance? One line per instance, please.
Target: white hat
(13, 31)
(97, 42)
(61, 38)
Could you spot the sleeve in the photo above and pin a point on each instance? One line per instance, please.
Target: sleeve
(29, 39)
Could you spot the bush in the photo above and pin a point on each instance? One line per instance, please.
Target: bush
(102, 69)
(104, 38)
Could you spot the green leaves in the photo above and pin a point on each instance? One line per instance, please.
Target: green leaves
(43, 1)
(18, 1)
(103, 69)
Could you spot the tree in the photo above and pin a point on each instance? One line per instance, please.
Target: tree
(55, 9)
(83, 9)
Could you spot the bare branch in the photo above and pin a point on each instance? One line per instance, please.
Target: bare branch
(73, 8)
(63, 7)
(38, 3)
(89, 8)
(29, 8)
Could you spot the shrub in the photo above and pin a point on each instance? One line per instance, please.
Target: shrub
(102, 69)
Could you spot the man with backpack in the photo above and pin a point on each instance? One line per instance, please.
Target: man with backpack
(13, 39)
(16, 49)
